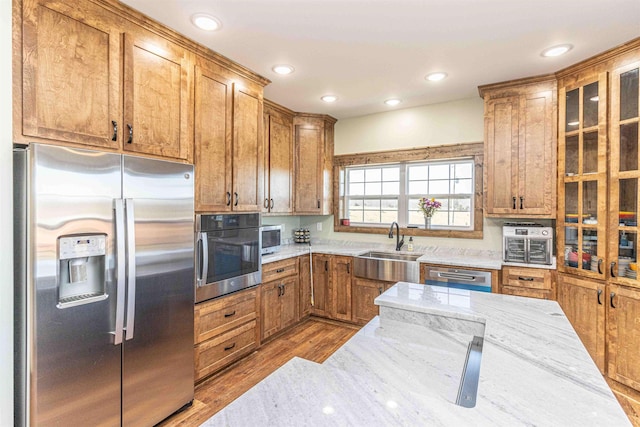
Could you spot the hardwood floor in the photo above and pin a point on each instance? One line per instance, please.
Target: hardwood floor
(314, 339)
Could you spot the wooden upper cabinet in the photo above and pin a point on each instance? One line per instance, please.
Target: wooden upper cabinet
(71, 75)
(520, 148)
(248, 162)
(228, 142)
(313, 164)
(213, 139)
(89, 78)
(278, 159)
(156, 96)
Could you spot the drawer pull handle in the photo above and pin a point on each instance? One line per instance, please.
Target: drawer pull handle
(521, 202)
(514, 203)
(230, 314)
(599, 294)
(526, 279)
(230, 347)
(280, 270)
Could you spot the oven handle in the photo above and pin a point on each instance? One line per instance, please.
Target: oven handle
(202, 257)
(457, 276)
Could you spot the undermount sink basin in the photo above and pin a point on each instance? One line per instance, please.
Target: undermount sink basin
(387, 266)
(391, 255)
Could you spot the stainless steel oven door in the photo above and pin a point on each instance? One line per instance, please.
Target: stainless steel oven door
(227, 261)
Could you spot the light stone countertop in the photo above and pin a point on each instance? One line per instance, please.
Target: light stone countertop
(404, 368)
(436, 255)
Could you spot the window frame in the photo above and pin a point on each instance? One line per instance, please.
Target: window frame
(426, 154)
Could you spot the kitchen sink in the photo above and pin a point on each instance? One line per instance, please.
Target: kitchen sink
(387, 266)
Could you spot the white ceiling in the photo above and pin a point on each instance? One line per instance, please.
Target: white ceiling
(366, 51)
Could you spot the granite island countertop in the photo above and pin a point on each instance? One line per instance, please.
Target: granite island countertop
(404, 368)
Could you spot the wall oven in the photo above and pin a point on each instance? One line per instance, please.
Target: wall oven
(228, 255)
(527, 243)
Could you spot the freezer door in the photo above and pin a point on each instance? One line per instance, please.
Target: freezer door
(71, 366)
(158, 348)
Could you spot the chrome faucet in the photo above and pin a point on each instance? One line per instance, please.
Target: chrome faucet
(399, 242)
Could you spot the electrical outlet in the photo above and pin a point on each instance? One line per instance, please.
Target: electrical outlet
(318, 226)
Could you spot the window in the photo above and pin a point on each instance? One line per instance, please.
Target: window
(374, 189)
(381, 194)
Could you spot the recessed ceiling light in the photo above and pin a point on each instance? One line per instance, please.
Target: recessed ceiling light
(329, 98)
(206, 22)
(436, 77)
(557, 50)
(283, 69)
(392, 102)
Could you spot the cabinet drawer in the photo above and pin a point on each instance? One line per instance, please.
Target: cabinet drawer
(222, 350)
(220, 315)
(526, 292)
(279, 269)
(535, 278)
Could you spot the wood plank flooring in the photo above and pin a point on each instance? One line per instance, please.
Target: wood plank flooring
(314, 339)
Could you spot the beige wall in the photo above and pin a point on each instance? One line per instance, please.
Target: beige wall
(439, 124)
(6, 221)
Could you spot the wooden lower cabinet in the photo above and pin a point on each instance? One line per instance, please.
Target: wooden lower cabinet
(321, 295)
(226, 329)
(341, 288)
(280, 295)
(363, 292)
(304, 274)
(528, 282)
(583, 302)
(623, 340)
(279, 306)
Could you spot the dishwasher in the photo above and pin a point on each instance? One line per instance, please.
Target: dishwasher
(457, 278)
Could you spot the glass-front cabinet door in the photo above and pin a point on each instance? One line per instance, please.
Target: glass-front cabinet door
(624, 158)
(582, 208)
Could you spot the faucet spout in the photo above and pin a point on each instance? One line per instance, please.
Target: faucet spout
(399, 242)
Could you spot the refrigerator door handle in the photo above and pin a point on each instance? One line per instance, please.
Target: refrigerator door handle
(120, 273)
(131, 269)
(203, 254)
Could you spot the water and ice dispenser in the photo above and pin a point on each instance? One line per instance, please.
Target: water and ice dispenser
(81, 269)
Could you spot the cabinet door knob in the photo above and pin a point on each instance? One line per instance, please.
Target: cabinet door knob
(115, 130)
(599, 295)
(613, 294)
(130, 140)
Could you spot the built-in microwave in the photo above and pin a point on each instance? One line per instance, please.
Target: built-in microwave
(271, 238)
(228, 255)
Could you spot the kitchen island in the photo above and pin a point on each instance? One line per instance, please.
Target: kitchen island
(405, 367)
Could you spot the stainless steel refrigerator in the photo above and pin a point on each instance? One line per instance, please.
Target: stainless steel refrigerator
(104, 287)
